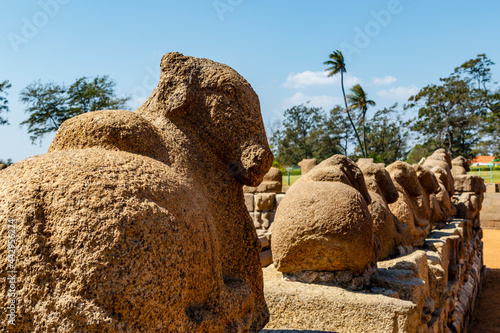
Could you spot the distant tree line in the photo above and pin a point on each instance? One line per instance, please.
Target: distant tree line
(4, 103)
(50, 104)
(461, 114)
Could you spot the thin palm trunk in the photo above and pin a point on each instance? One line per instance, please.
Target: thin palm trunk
(349, 116)
(364, 133)
(364, 139)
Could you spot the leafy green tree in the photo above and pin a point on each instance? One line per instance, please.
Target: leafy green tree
(387, 136)
(420, 151)
(478, 70)
(448, 115)
(337, 65)
(337, 125)
(3, 100)
(359, 101)
(477, 73)
(490, 127)
(304, 135)
(50, 104)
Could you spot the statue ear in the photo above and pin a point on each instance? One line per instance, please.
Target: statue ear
(176, 84)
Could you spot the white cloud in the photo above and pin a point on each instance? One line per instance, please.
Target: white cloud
(136, 102)
(326, 102)
(308, 78)
(399, 92)
(380, 81)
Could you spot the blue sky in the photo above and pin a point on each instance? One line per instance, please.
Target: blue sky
(393, 47)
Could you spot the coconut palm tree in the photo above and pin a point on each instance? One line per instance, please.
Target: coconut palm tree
(358, 100)
(337, 65)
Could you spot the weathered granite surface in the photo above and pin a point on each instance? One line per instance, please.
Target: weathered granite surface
(136, 222)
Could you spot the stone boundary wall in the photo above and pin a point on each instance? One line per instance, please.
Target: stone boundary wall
(490, 212)
(262, 209)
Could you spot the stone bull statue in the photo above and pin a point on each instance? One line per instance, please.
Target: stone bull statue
(135, 221)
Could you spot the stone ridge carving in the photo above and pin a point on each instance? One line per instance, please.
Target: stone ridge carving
(406, 181)
(443, 193)
(428, 186)
(392, 235)
(136, 221)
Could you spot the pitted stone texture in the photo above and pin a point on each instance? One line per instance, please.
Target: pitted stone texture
(210, 118)
(338, 168)
(323, 226)
(442, 154)
(307, 165)
(272, 183)
(106, 218)
(315, 307)
(117, 130)
(378, 180)
(115, 240)
(323, 223)
(441, 281)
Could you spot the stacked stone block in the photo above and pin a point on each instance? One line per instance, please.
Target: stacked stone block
(262, 209)
(490, 212)
(262, 202)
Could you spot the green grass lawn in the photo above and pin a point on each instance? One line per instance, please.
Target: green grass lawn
(292, 179)
(285, 181)
(496, 175)
(496, 178)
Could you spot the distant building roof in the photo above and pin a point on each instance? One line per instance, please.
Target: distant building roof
(483, 159)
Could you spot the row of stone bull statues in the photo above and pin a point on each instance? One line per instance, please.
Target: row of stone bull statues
(136, 221)
(340, 216)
